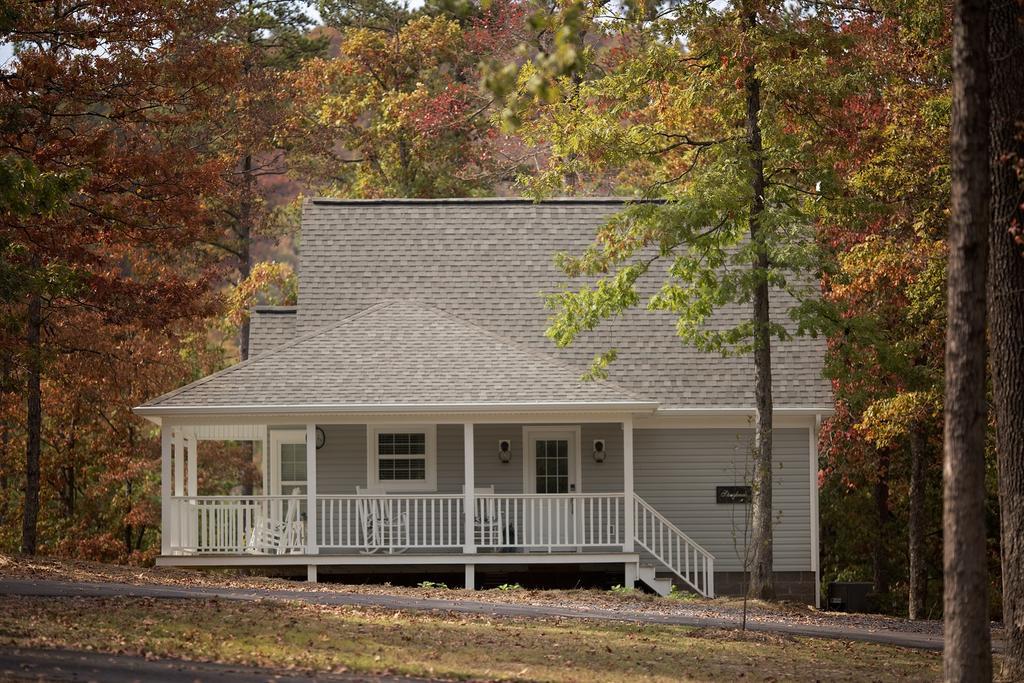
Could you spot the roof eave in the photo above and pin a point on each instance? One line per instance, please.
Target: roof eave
(822, 410)
(153, 411)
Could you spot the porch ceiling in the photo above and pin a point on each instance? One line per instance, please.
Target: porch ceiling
(396, 357)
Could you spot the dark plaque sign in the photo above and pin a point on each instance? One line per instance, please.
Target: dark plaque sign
(732, 494)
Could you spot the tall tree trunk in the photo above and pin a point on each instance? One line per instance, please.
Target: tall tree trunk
(1006, 313)
(68, 490)
(245, 218)
(34, 423)
(880, 561)
(967, 655)
(5, 444)
(127, 531)
(130, 497)
(761, 582)
(915, 523)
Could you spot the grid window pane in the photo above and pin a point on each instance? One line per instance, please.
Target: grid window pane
(393, 461)
(552, 466)
(402, 469)
(293, 462)
(402, 444)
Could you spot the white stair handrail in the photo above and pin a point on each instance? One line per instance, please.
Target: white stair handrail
(686, 558)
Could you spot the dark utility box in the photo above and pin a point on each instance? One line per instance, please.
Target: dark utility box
(849, 596)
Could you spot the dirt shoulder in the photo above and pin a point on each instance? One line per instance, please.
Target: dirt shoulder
(340, 639)
(51, 569)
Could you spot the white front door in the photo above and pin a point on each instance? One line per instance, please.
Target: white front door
(288, 476)
(288, 462)
(552, 467)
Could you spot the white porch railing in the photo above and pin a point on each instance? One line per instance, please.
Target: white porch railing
(394, 523)
(574, 520)
(390, 522)
(225, 524)
(674, 549)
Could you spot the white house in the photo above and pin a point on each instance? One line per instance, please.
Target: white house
(410, 414)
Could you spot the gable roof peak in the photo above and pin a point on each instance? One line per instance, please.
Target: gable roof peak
(396, 353)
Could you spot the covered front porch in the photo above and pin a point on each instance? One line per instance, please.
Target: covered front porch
(405, 488)
(380, 492)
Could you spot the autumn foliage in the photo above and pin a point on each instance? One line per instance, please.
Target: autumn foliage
(153, 154)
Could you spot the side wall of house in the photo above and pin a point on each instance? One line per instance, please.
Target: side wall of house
(678, 470)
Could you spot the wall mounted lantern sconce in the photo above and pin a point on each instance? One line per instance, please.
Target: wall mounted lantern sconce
(599, 451)
(504, 450)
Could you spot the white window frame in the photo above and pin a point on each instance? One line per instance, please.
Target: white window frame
(278, 437)
(426, 485)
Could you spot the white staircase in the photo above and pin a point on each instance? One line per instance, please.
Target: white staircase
(673, 549)
(648, 573)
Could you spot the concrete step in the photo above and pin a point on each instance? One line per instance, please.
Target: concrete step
(649, 576)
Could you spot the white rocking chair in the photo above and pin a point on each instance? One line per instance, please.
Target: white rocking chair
(272, 537)
(487, 529)
(382, 529)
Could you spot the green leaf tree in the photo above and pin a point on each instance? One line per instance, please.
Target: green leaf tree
(710, 109)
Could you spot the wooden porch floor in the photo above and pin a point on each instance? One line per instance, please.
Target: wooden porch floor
(396, 559)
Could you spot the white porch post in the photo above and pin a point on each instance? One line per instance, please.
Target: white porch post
(815, 538)
(627, 483)
(265, 459)
(192, 454)
(311, 544)
(469, 493)
(165, 490)
(190, 445)
(179, 463)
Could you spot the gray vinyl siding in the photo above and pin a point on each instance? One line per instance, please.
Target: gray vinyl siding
(488, 468)
(450, 447)
(677, 471)
(341, 461)
(602, 477)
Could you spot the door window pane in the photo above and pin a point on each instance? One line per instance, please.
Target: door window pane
(552, 465)
(293, 462)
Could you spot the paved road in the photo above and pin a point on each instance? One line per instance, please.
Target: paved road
(72, 665)
(926, 641)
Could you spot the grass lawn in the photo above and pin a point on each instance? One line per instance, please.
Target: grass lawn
(294, 635)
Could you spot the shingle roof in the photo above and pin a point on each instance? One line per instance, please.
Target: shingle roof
(488, 261)
(399, 353)
(270, 327)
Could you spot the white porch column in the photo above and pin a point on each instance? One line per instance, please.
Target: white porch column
(627, 482)
(179, 462)
(192, 453)
(165, 490)
(630, 574)
(265, 459)
(311, 544)
(815, 538)
(190, 445)
(469, 493)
